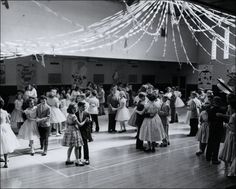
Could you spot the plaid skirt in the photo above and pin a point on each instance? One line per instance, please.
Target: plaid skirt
(72, 137)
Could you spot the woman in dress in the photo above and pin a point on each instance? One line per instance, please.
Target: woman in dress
(228, 152)
(122, 114)
(8, 139)
(72, 137)
(57, 117)
(29, 129)
(152, 129)
(16, 115)
(203, 132)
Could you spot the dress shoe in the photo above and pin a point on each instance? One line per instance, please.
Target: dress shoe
(44, 153)
(120, 131)
(199, 153)
(163, 145)
(5, 166)
(114, 131)
(69, 162)
(86, 162)
(168, 143)
(2, 160)
(32, 153)
(153, 150)
(79, 163)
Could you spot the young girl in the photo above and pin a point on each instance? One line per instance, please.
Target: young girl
(72, 137)
(29, 129)
(203, 132)
(122, 114)
(8, 139)
(57, 117)
(64, 104)
(152, 129)
(16, 115)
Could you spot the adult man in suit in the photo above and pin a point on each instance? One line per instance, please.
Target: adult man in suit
(43, 119)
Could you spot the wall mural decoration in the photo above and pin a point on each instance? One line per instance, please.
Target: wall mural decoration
(80, 74)
(26, 73)
(205, 76)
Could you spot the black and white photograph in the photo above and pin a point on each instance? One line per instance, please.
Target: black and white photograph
(118, 94)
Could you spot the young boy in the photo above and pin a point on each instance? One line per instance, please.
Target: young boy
(43, 119)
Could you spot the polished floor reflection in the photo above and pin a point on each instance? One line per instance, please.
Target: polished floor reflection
(115, 163)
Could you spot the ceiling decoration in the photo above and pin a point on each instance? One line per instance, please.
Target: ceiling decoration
(145, 18)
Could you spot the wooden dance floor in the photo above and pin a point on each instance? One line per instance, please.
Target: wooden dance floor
(115, 163)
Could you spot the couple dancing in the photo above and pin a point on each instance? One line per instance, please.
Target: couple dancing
(117, 110)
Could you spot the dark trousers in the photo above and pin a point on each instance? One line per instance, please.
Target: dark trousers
(213, 146)
(86, 150)
(111, 122)
(44, 134)
(101, 109)
(139, 143)
(173, 115)
(193, 126)
(95, 119)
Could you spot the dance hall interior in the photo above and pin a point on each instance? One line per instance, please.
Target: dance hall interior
(118, 94)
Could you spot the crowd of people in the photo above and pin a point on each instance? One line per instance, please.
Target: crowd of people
(213, 123)
(73, 113)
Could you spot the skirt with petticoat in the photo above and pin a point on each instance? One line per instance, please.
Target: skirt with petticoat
(57, 116)
(152, 130)
(8, 139)
(29, 130)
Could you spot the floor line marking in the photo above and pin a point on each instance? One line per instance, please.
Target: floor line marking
(123, 163)
(54, 170)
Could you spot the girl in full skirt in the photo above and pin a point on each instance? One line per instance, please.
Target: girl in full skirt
(8, 139)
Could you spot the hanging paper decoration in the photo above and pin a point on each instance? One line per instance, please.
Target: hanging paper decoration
(213, 49)
(226, 44)
(36, 57)
(137, 21)
(42, 61)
